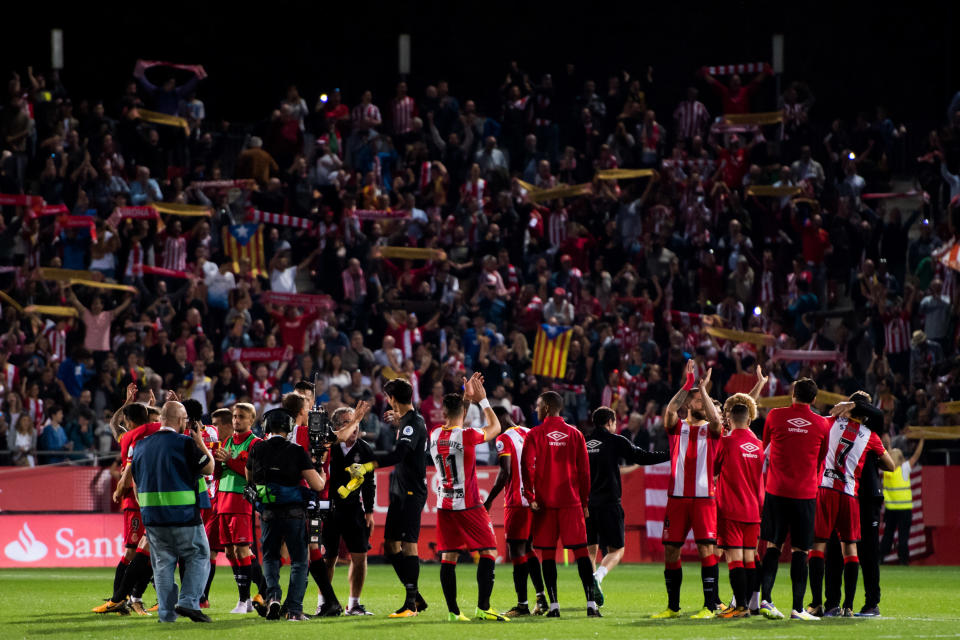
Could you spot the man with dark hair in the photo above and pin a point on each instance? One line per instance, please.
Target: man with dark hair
(517, 516)
(462, 522)
(691, 502)
(278, 467)
(556, 483)
(408, 491)
(838, 509)
(605, 450)
(795, 443)
(350, 520)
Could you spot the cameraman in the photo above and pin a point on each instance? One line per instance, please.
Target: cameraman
(277, 467)
(349, 519)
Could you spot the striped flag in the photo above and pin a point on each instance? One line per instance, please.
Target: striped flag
(281, 219)
(918, 532)
(245, 241)
(550, 350)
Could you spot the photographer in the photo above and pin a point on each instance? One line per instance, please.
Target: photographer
(349, 519)
(277, 468)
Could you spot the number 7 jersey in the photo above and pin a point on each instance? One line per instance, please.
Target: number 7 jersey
(849, 443)
(453, 451)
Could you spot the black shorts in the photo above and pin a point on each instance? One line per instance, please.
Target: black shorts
(795, 516)
(345, 522)
(403, 518)
(605, 526)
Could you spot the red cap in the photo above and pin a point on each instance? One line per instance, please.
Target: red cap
(559, 291)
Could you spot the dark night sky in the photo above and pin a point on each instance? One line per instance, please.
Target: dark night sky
(852, 58)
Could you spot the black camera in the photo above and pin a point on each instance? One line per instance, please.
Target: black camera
(320, 429)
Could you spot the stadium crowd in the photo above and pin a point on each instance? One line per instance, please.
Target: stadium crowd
(639, 267)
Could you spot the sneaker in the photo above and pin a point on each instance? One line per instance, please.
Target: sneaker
(597, 593)
(593, 612)
(734, 612)
(704, 614)
(666, 613)
(847, 612)
(868, 612)
(553, 613)
(194, 614)
(357, 610)
(204, 604)
(137, 607)
(719, 607)
(815, 610)
(722, 613)
(489, 614)
(802, 615)
(297, 617)
(258, 605)
(109, 607)
(403, 612)
(154, 608)
(835, 612)
(456, 617)
(769, 611)
(243, 606)
(273, 610)
(330, 610)
(542, 606)
(518, 611)
(421, 603)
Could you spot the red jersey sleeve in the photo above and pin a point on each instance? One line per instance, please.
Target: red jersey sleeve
(503, 446)
(473, 436)
(766, 429)
(875, 445)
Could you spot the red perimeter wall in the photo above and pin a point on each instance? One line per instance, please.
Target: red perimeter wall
(91, 539)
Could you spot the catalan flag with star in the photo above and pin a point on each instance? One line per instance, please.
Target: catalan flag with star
(242, 241)
(550, 350)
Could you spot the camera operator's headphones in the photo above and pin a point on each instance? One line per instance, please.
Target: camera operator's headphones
(277, 421)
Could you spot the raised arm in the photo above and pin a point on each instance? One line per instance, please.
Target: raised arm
(759, 385)
(677, 401)
(117, 416)
(915, 458)
(474, 392)
(713, 415)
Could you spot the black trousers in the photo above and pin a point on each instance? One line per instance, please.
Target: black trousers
(898, 520)
(868, 550)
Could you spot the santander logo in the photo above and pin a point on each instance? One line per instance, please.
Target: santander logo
(26, 548)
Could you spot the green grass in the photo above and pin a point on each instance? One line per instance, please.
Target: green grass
(55, 603)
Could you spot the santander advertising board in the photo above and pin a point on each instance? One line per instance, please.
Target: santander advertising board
(69, 540)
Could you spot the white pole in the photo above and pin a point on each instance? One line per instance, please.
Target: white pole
(403, 57)
(56, 48)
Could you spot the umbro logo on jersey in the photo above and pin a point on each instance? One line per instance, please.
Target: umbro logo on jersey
(593, 444)
(798, 422)
(749, 447)
(557, 436)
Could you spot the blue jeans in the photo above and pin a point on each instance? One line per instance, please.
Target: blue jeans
(274, 532)
(189, 545)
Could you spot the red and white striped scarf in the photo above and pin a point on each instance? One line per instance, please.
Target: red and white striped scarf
(410, 338)
(58, 342)
(404, 111)
(474, 191)
(175, 253)
(557, 228)
(350, 291)
(282, 219)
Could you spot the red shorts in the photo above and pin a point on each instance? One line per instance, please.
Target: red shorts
(683, 514)
(132, 528)
(516, 523)
(235, 528)
(565, 525)
(836, 511)
(468, 529)
(733, 534)
(211, 524)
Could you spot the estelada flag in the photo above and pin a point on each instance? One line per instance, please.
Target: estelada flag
(550, 350)
(245, 241)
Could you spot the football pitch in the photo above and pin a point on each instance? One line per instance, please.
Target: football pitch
(918, 602)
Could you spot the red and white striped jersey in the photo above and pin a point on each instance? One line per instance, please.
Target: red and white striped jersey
(175, 253)
(691, 118)
(693, 449)
(134, 261)
(896, 331)
(849, 443)
(766, 287)
(557, 228)
(404, 111)
(212, 439)
(409, 339)
(260, 391)
(453, 450)
(9, 378)
(34, 408)
(474, 191)
(510, 443)
(365, 113)
(58, 342)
